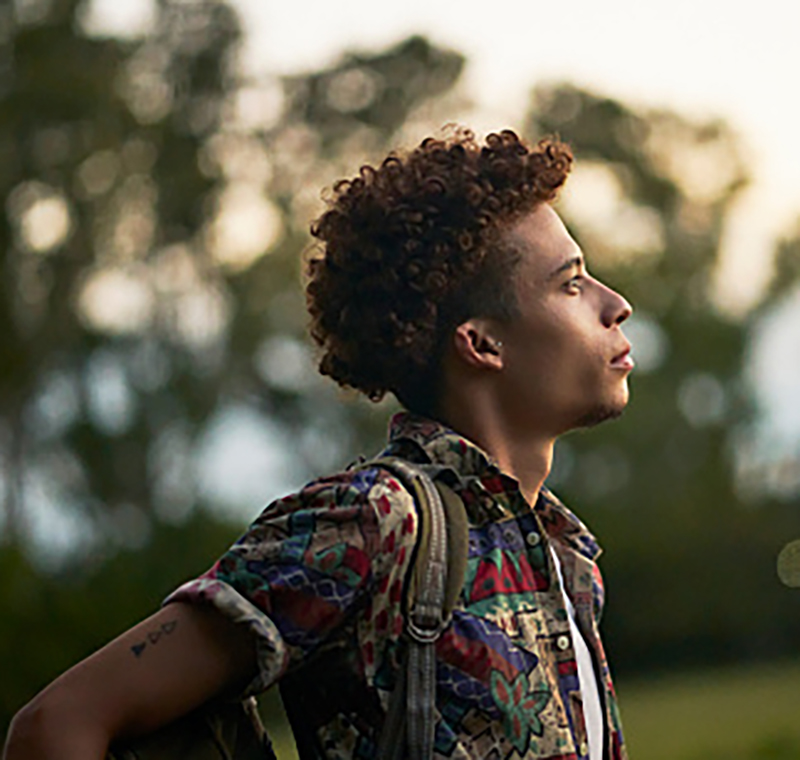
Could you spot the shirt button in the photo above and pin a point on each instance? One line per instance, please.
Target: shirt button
(562, 642)
(583, 749)
(533, 539)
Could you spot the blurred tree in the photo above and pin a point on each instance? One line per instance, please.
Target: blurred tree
(110, 306)
(691, 562)
(138, 302)
(155, 209)
(786, 273)
(140, 313)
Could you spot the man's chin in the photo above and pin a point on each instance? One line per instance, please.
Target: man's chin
(599, 414)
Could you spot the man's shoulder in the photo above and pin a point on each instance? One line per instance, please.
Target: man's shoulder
(362, 485)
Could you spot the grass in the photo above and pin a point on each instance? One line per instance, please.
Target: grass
(277, 725)
(750, 713)
(747, 713)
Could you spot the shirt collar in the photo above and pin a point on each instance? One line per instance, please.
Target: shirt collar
(447, 449)
(442, 445)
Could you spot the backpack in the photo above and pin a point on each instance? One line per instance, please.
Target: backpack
(234, 731)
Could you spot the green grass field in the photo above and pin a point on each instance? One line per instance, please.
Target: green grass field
(750, 713)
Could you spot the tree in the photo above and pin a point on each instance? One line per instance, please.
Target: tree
(106, 315)
(151, 238)
(691, 561)
(135, 313)
(135, 309)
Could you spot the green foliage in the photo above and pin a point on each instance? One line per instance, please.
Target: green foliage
(786, 271)
(375, 91)
(131, 323)
(135, 316)
(690, 564)
(102, 182)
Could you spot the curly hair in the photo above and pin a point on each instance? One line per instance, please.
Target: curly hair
(413, 248)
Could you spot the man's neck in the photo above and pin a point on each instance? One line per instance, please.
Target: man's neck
(529, 462)
(525, 457)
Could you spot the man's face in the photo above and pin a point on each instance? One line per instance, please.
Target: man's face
(565, 359)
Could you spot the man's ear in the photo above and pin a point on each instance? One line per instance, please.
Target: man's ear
(474, 342)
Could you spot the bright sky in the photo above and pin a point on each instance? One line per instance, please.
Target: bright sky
(701, 57)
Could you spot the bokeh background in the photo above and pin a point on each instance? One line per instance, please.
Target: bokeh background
(160, 161)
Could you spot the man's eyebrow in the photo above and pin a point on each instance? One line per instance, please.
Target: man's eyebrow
(574, 262)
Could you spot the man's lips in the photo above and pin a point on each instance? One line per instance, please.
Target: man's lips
(623, 360)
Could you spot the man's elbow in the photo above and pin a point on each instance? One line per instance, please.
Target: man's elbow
(49, 727)
(29, 731)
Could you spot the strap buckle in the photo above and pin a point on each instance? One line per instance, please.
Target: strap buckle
(425, 629)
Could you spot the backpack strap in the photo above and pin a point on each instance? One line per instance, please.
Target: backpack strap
(457, 544)
(435, 582)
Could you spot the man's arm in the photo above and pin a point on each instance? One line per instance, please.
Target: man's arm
(157, 671)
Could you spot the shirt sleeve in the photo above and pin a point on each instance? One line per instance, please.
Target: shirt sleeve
(307, 563)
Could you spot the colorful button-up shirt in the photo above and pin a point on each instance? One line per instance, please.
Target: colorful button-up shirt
(319, 579)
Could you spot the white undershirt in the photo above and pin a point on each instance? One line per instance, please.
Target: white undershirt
(592, 709)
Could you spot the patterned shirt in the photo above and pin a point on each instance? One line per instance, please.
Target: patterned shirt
(318, 579)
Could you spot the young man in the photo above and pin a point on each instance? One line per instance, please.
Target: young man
(445, 277)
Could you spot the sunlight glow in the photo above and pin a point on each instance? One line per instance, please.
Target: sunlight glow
(42, 216)
(117, 301)
(594, 198)
(246, 227)
(111, 18)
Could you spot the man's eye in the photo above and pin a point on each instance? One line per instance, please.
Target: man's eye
(574, 284)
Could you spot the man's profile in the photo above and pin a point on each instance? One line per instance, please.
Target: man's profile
(445, 277)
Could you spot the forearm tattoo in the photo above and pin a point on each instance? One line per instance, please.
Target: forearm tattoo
(153, 637)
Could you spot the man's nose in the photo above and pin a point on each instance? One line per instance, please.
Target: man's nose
(617, 309)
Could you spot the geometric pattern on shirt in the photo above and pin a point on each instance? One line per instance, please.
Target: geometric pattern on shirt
(329, 562)
(521, 707)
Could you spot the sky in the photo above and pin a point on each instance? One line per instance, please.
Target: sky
(703, 58)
